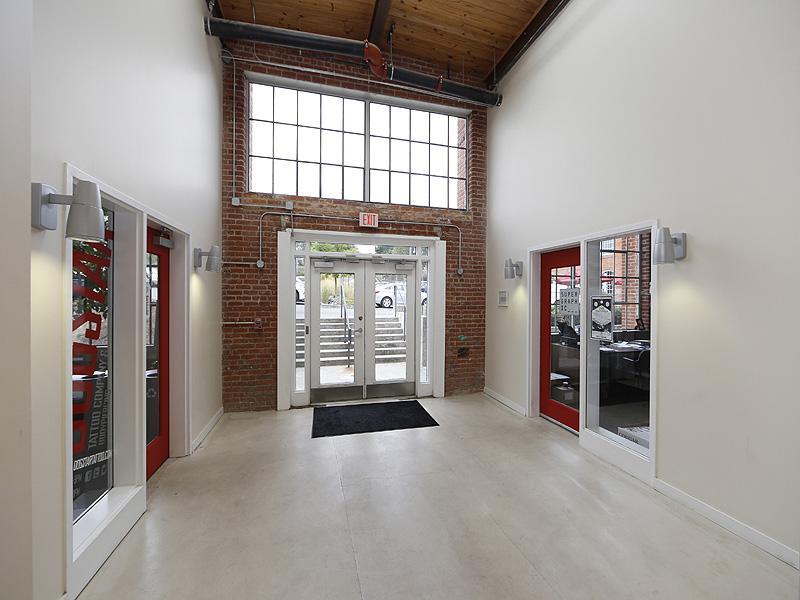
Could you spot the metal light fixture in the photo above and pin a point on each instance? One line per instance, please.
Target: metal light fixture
(85, 220)
(513, 269)
(214, 260)
(667, 248)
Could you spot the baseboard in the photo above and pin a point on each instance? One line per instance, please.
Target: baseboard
(755, 537)
(517, 408)
(207, 429)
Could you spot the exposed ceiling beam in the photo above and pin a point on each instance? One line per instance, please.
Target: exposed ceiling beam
(546, 15)
(380, 13)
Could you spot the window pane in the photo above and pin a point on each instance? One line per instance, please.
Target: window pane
(285, 177)
(419, 158)
(308, 109)
(378, 153)
(353, 150)
(399, 155)
(439, 129)
(261, 101)
(331, 182)
(379, 119)
(260, 138)
(457, 162)
(92, 371)
(419, 126)
(308, 144)
(354, 116)
(261, 175)
(399, 188)
(438, 160)
(331, 147)
(458, 131)
(353, 184)
(400, 122)
(379, 186)
(419, 190)
(332, 112)
(308, 180)
(285, 141)
(285, 105)
(458, 195)
(439, 192)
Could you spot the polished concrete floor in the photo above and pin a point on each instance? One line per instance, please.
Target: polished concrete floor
(489, 505)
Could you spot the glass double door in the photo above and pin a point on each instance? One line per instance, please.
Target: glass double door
(361, 329)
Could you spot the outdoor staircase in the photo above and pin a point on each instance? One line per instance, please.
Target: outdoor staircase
(390, 342)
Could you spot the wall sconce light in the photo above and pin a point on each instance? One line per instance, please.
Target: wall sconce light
(513, 269)
(667, 248)
(213, 262)
(85, 220)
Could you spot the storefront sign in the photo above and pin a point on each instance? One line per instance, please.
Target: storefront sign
(570, 301)
(603, 318)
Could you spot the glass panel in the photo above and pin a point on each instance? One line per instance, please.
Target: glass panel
(379, 186)
(331, 182)
(261, 101)
(285, 177)
(378, 153)
(353, 150)
(419, 126)
(354, 116)
(308, 109)
(285, 142)
(565, 335)
(439, 129)
(439, 192)
(419, 158)
(423, 338)
(332, 112)
(261, 175)
(419, 190)
(379, 119)
(399, 188)
(457, 162)
(332, 147)
(438, 160)
(399, 155)
(152, 348)
(390, 326)
(458, 193)
(337, 339)
(458, 132)
(260, 138)
(300, 322)
(92, 370)
(400, 122)
(285, 106)
(353, 184)
(300, 246)
(308, 144)
(618, 405)
(308, 179)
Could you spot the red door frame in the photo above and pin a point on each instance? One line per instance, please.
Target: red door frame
(568, 416)
(158, 449)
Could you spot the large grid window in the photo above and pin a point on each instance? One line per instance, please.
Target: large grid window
(621, 276)
(310, 144)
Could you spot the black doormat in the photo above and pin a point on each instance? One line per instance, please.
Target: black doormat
(364, 418)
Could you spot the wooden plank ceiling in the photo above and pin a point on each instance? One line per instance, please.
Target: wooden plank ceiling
(465, 34)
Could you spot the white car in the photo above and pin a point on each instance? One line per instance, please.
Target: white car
(299, 290)
(385, 294)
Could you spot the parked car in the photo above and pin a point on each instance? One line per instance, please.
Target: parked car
(385, 294)
(299, 290)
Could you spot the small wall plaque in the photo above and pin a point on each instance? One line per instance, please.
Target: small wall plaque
(502, 298)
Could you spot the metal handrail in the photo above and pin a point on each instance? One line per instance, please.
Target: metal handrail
(348, 330)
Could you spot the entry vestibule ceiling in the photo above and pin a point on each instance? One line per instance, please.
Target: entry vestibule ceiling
(463, 34)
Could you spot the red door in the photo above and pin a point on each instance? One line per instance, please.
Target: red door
(157, 351)
(560, 337)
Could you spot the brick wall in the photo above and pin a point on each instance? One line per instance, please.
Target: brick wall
(250, 354)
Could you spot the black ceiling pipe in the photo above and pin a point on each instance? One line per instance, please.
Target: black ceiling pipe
(367, 52)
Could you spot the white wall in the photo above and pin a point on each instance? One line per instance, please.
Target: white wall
(628, 110)
(129, 92)
(16, 573)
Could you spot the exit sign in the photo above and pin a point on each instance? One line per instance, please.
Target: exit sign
(366, 219)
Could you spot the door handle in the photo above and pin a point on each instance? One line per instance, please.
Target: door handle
(359, 330)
